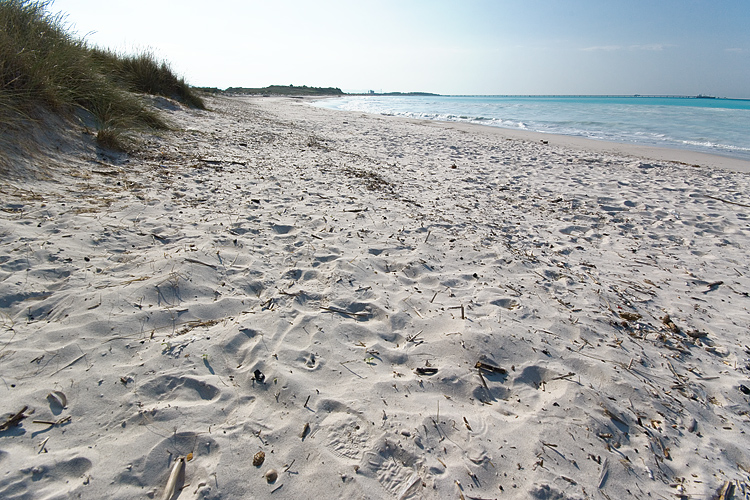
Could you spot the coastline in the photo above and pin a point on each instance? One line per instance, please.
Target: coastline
(683, 156)
(661, 153)
(384, 307)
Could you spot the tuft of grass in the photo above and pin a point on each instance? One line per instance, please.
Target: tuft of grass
(143, 73)
(43, 66)
(110, 138)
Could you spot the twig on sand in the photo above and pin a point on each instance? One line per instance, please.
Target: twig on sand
(460, 493)
(69, 364)
(415, 338)
(481, 365)
(56, 422)
(726, 201)
(726, 491)
(341, 311)
(463, 311)
(277, 488)
(43, 446)
(484, 382)
(14, 419)
(196, 261)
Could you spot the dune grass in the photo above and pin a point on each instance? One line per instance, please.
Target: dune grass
(45, 67)
(143, 73)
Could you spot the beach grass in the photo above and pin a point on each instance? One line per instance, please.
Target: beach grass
(143, 73)
(44, 67)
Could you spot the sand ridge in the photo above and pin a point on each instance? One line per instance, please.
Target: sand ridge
(321, 285)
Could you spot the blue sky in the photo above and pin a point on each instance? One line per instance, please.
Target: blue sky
(684, 47)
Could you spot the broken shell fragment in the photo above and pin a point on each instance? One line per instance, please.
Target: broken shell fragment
(57, 398)
(272, 476)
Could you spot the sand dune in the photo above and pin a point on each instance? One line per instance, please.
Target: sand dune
(386, 308)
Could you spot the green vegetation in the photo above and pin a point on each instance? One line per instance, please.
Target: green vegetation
(287, 90)
(43, 68)
(144, 74)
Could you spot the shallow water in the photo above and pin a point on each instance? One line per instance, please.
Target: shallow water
(716, 126)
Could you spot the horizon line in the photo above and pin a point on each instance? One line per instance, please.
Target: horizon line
(676, 96)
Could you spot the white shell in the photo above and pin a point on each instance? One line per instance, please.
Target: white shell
(272, 475)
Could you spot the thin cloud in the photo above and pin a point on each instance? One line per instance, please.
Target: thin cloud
(657, 47)
(606, 48)
(652, 47)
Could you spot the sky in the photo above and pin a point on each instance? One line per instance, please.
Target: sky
(459, 47)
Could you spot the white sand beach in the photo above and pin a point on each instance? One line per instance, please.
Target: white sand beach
(381, 308)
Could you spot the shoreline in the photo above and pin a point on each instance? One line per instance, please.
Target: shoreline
(375, 308)
(675, 155)
(678, 155)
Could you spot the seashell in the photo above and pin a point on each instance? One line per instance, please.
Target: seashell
(58, 398)
(189, 457)
(272, 476)
(177, 469)
(259, 458)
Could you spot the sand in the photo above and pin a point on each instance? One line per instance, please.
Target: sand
(386, 308)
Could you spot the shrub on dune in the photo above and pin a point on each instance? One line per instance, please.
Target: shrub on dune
(44, 67)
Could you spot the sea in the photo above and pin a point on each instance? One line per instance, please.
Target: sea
(707, 125)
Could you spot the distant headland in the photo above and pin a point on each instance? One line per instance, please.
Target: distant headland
(295, 90)
(304, 90)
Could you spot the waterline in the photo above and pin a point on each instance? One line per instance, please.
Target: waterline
(715, 126)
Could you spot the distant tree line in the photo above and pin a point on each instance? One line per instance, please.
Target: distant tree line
(286, 90)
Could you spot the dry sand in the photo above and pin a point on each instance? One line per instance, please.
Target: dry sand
(320, 286)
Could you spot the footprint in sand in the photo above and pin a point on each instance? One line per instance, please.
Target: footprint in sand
(394, 467)
(346, 435)
(60, 476)
(171, 388)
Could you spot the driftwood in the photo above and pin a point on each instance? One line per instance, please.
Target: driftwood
(490, 368)
(14, 420)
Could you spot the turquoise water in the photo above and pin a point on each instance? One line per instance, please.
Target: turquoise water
(716, 126)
